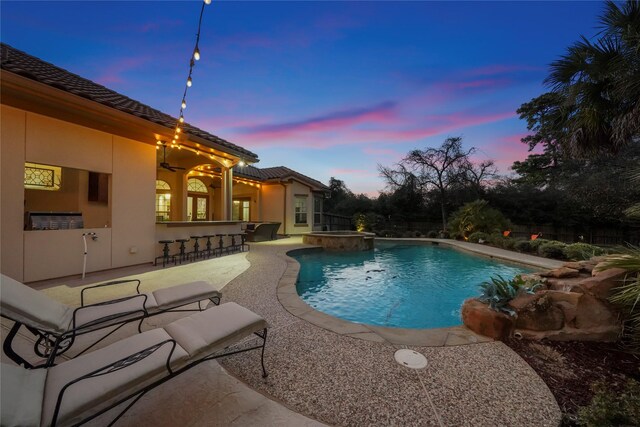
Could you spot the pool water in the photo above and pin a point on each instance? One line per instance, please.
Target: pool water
(395, 285)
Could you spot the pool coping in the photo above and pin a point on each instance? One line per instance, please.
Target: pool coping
(432, 337)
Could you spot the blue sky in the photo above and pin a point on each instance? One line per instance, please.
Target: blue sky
(325, 88)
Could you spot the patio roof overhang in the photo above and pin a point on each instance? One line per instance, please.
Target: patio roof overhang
(33, 96)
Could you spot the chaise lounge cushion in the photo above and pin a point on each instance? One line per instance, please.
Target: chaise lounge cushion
(93, 394)
(116, 309)
(183, 294)
(21, 394)
(33, 308)
(215, 328)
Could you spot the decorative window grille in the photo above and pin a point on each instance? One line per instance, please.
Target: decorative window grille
(194, 185)
(300, 210)
(42, 177)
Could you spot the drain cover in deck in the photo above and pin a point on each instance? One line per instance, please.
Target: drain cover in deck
(410, 359)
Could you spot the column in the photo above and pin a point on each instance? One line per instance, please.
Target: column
(227, 193)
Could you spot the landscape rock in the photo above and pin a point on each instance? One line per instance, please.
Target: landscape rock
(605, 333)
(540, 316)
(601, 284)
(566, 285)
(576, 265)
(523, 300)
(561, 273)
(568, 310)
(559, 296)
(482, 320)
(593, 313)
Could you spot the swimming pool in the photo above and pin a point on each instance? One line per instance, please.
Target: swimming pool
(396, 285)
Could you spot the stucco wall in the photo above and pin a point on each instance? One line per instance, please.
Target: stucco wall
(31, 137)
(272, 204)
(12, 147)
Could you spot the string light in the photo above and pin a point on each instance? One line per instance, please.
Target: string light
(192, 62)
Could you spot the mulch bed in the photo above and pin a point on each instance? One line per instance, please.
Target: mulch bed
(569, 369)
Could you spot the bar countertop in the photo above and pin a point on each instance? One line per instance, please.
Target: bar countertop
(196, 223)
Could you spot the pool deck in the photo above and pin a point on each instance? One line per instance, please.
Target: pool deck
(318, 375)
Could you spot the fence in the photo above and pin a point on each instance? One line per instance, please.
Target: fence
(331, 222)
(602, 236)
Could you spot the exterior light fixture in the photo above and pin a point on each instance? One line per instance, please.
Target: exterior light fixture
(196, 54)
(178, 130)
(184, 104)
(189, 81)
(181, 119)
(241, 163)
(207, 1)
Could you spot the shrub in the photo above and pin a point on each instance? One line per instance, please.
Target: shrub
(477, 236)
(497, 239)
(498, 291)
(477, 216)
(582, 251)
(366, 222)
(535, 244)
(522, 245)
(552, 249)
(432, 234)
(508, 243)
(608, 408)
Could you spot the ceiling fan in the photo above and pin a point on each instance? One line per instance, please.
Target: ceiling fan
(164, 163)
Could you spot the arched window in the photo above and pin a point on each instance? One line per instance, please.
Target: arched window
(194, 185)
(197, 200)
(163, 200)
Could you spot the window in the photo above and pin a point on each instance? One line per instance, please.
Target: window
(317, 210)
(163, 201)
(197, 200)
(300, 210)
(194, 185)
(241, 209)
(42, 177)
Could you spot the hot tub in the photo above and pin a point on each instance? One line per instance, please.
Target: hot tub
(340, 240)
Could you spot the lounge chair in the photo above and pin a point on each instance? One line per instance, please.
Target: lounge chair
(263, 232)
(57, 325)
(78, 390)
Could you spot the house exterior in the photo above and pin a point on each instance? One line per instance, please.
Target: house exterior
(69, 145)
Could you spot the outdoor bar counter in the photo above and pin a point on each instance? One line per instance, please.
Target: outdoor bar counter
(172, 230)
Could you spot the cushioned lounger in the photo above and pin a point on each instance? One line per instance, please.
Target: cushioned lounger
(56, 325)
(80, 389)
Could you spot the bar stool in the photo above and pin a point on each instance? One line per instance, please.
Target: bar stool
(235, 245)
(221, 242)
(210, 249)
(165, 253)
(196, 247)
(243, 242)
(182, 254)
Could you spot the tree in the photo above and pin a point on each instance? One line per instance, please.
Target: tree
(594, 105)
(431, 169)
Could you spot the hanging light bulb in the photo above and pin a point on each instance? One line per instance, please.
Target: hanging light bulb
(181, 119)
(178, 130)
(196, 54)
(189, 81)
(184, 104)
(241, 163)
(207, 1)
(157, 147)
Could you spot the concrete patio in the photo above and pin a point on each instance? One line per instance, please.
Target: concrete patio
(325, 371)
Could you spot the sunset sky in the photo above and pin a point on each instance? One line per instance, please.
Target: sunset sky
(325, 88)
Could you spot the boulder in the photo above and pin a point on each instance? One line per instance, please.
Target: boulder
(482, 320)
(566, 285)
(601, 284)
(540, 316)
(568, 311)
(576, 265)
(523, 300)
(559, 296)
(593, 313)
(605, 333)
(561, 273)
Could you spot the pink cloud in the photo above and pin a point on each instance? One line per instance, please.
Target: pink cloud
(495, 69)
(508, 149)
(112, 72)
(328, 122)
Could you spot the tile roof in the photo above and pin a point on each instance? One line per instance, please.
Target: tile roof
(25, 65)
(276, 173)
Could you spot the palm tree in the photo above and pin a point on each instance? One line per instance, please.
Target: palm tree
(600, 83)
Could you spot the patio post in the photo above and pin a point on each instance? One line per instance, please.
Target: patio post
(227, 193)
